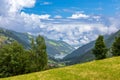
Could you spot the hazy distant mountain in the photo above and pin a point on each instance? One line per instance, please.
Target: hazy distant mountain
(84, 53)
(53, 47)
(58, 49)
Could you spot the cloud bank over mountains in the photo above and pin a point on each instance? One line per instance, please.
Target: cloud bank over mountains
(77, 29)
(78, 15)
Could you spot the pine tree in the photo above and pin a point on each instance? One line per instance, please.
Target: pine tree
(100, 49)
(116, 47)
(41, 52)
(38, 54)
(32, 44)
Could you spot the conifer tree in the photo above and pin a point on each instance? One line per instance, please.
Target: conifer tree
(116, 47)
(41, 52)
(100, 49)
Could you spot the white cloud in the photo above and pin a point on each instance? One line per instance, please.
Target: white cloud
(74, 33)
(84, 40)
(3, 7)
(17, 5)
(115, 24)
(69, 30)
(79, 15)
(30, 21)
(46, 3)
(57, 16)
(96, 17)
(11, 17)
(46, 16)
(10, 13)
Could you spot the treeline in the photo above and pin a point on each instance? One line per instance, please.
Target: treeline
(101, 51)
(15, 60)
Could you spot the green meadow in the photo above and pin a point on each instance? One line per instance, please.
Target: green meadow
(107, 69)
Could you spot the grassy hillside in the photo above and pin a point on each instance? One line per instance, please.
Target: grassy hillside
(108, 69)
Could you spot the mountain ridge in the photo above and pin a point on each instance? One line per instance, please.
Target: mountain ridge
(84, 53)
(53, 47)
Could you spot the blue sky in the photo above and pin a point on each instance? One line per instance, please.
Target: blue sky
(66, 8)
(72, 21)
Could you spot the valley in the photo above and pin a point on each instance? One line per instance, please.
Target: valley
(59, 39)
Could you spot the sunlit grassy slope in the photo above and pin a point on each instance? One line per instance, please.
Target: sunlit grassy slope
(108, 69)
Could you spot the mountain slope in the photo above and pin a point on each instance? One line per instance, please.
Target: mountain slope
(84, 53)
(53, 47)
(107, 69)
(58, 48)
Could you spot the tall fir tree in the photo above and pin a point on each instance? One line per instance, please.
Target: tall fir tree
(100, 50)
(116, 47)
(41, 52)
